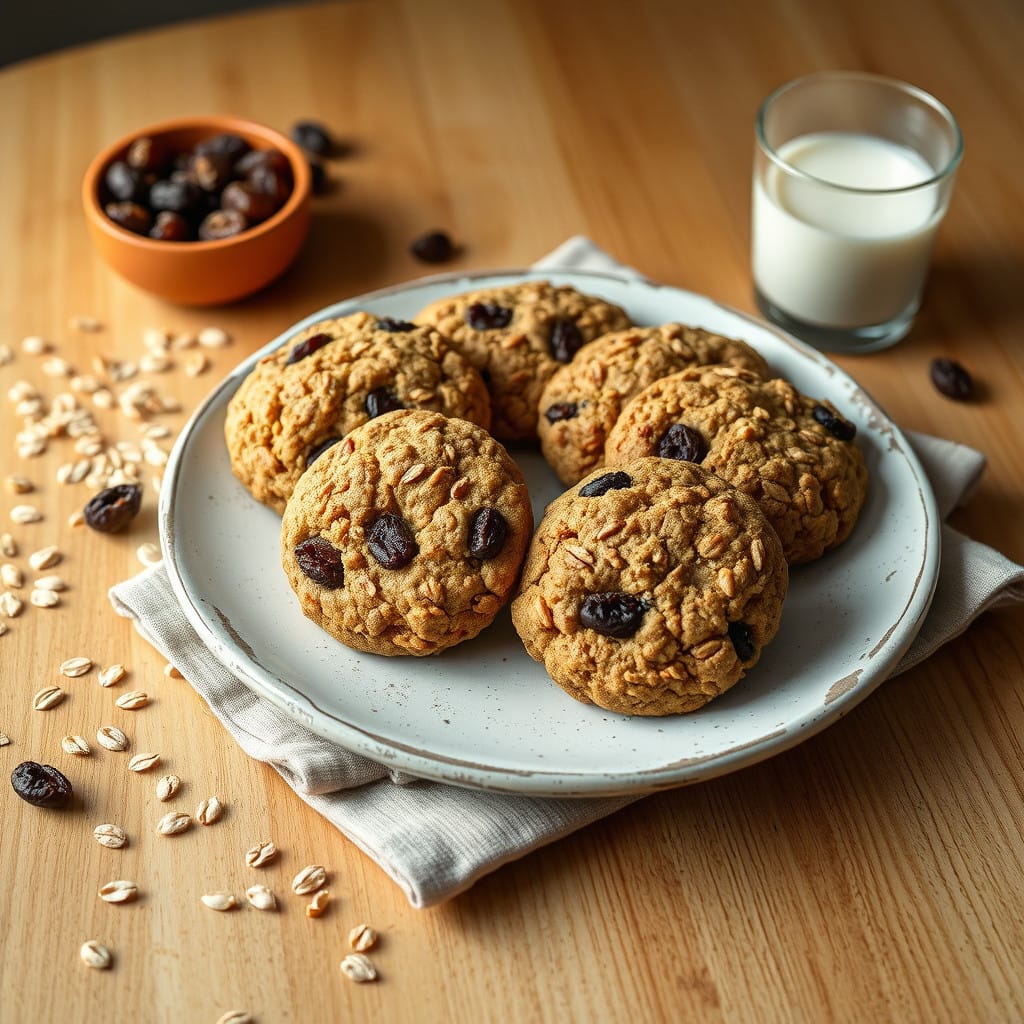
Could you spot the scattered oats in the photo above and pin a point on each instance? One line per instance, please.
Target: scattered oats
(173, 823)
(167, 787)
(75, 667)
(22, 514)
(87, 324)
(358, 967)
(44, 598)
(132, 700)
(362, 938)
(30, 448)
(50, 583)
(157, 482)
(236, 1017)
(186, 339)
(22, 389)
(103, 398)
(219, 900)
(261, 897)
(45, 558)
(112, 674)
(6, 355)
(119, 891)
(156, 456)
(156, 431)
(11, 576)
(171, 672)
(33, 345)
(156, 339)
(48, 697)
(77, 745)
(8, 546)
(85, 383)
(261, 853)
(111, 836)
(18, 484)
(57, 367)
(168, 405)
(75, 472)
(143, 762)
(77, 518)
(30, 408)
(95, 955)
(120, 372)
(129, 451)
(155, 362)
(413, 473)
(317, 906)
(149, 553)
(213, 337)
(3, 629)
(196, 364)
(112, 738)
(209, 811)
(10, 605)
(5, 740)
(308, 880)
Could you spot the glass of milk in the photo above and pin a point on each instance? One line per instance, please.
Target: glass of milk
(852, 175)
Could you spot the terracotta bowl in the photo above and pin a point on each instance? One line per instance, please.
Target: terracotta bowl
(202, 273)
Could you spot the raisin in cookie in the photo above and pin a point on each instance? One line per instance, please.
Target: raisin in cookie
(582, 401)
(332, 377)
(517, 337)
(794, 455)
(408, 536)
(651, 589)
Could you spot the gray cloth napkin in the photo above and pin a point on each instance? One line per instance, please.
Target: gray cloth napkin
(436, 840)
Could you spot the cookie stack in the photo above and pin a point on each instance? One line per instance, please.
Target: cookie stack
(651, 585)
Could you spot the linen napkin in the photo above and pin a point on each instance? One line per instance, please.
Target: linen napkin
(436, 840)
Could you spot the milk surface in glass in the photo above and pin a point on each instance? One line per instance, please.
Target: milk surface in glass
(834, 246)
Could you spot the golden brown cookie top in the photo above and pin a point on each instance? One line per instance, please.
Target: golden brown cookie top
(581, 402)
(334, 376)
(517, 336)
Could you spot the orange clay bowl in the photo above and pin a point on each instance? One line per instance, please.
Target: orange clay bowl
(202, 273)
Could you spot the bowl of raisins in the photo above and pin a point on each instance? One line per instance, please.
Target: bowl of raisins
(199, 211)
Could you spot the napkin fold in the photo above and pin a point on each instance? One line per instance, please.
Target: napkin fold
(436, 840)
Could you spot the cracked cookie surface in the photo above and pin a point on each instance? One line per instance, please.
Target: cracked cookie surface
(650, 589)
(795, 455)
(517, 337)
(581, 402)
(408, 536)
(332, 377)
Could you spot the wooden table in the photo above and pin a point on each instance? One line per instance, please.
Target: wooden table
(873, 873)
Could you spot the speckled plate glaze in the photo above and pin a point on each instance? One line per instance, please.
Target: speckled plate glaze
(484, 714)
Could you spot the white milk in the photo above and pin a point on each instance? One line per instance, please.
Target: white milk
(839, 258)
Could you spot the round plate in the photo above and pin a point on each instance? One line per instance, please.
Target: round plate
(483, 713)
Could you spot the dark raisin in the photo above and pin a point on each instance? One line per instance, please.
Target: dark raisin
(212, 171)
(313, 137)
(391, 541)
(129, 216)
(320, 560)
(392, 326)
(839, 428)
(234, 146)
(565, 340)
(249, 201)
(561, 411)
(221, 224)
(682, 443)
(603, 484)
(320, 182)
(147, 155)
(952, 379)
(613, 613)
(125, 183)
(742, 638)
(317, 450)
(486, 316)
(272, 159)
(113, 508)
(170, 227)
(380, 401)
(488, 531)
(307, 347)
(433, 247)
(41, 784)
(181, 196)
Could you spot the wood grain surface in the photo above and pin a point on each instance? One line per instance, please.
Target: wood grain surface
(874, 873)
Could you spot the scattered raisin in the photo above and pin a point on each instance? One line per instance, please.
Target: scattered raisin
(839, 428)
(742, 638)
(433, 247)
(129, 216)
(254, 205)
(233, 146)
(125, 183)
(603, 484)
(147, 155)
(391, 541)
(613, 613)
(565, 340)
(682, 443)
(41, 784)
(392, 326)
(211, 171)
(486, 316)
(170, 227)
(320, 560)
(380, 401)
(317, 450)
(561, 411)
(488, 531)
(321, 184)
(952, 380)
(113, 508)
(307, 347)
(180, 195)
(221, 224)
(313, 137)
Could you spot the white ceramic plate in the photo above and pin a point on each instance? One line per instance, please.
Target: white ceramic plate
(484, 714)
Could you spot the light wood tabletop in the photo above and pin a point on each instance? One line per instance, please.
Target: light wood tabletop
(872, 873)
